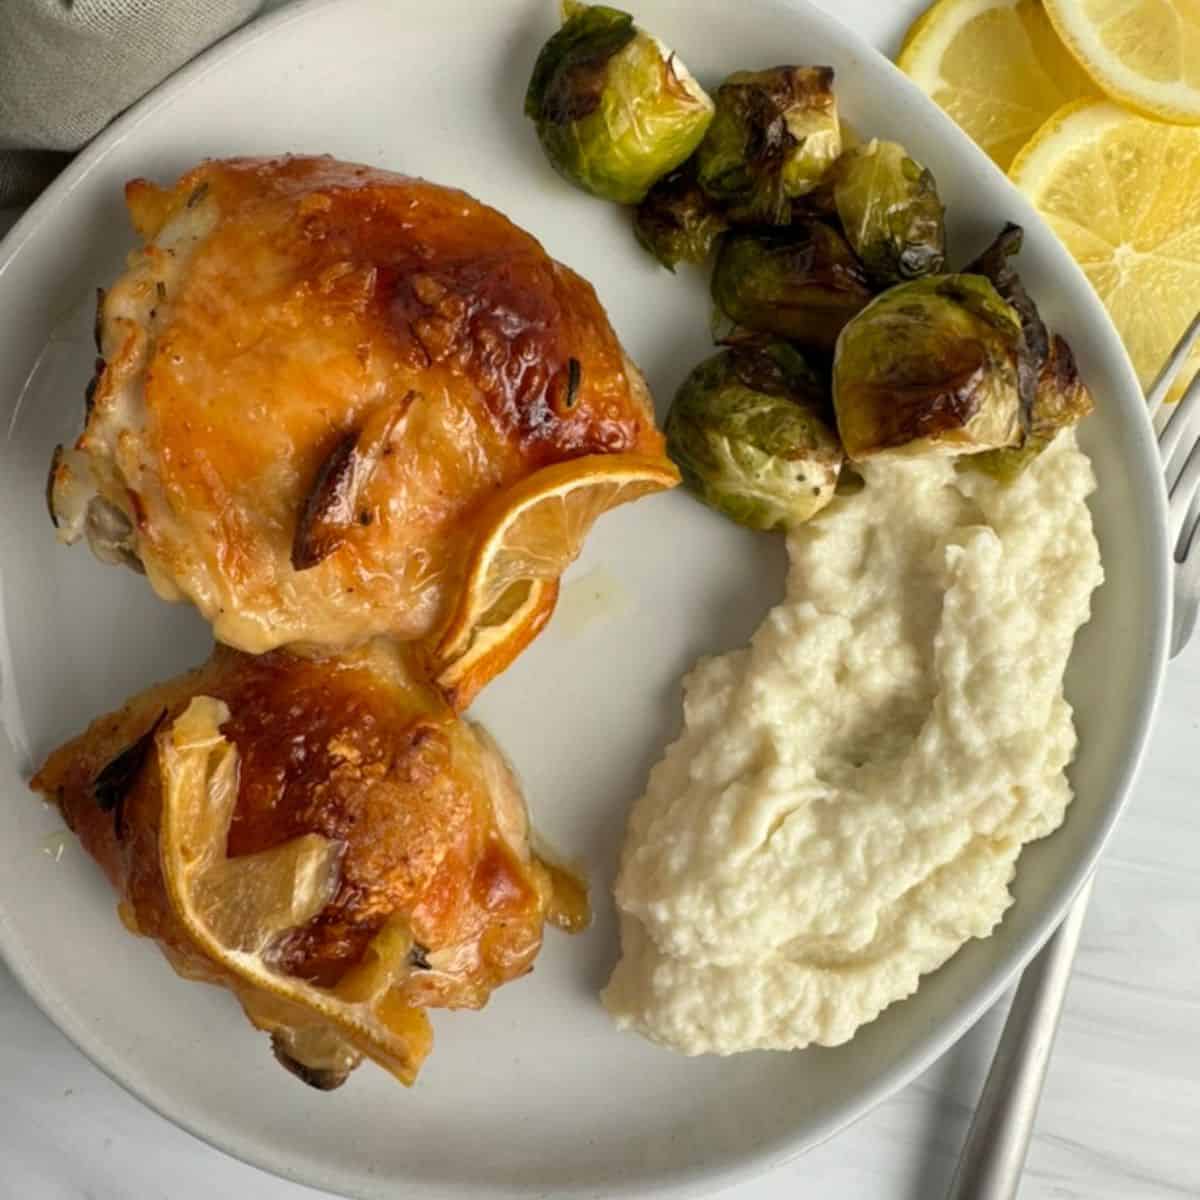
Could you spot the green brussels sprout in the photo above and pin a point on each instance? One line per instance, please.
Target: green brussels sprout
(993, 264)
(749, 430)
(614, 109)
(929, 367)
(774, 136)
(889, 209)
(802, 283)
(1061, 400)
(677, 222)
(816, 204)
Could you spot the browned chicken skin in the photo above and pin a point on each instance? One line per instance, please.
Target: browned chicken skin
(430, 822)
(315, 374)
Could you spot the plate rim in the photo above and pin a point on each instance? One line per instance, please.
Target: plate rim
(672, 1182)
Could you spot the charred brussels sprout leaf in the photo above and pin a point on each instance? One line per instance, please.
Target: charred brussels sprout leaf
(750, 435)
(994, 265)
(1061, 400)
(774, 136)
(614, 109)
(889, 208)
(802, 283)
(929, 367)
(677, 222)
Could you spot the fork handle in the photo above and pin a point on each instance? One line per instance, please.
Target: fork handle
(993, 1156)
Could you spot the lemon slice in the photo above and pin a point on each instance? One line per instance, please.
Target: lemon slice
(1143, 52)
(1123, 193)
(233, 909)
(495, 640)
(996, 66)
(528, 537)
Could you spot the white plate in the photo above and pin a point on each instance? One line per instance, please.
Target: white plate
(539, 1094)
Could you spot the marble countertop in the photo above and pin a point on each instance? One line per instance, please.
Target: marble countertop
(1118, 1118)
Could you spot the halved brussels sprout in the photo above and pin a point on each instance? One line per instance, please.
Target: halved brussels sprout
(677, 222)
(929, 367)
(614, 108)
(802, 283)
(889, 209)
(750, 434)
(774, 136)
(1062, 399)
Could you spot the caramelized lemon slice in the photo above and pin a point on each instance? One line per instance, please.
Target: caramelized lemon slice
(526, 539)
(235, 908)
(496, 639)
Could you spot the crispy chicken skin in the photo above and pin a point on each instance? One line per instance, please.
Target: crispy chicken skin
(430, 822)
(313, 376)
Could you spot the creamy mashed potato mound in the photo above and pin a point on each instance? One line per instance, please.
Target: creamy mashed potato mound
(845, 805)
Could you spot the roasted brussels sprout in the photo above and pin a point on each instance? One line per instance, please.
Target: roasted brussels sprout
(774, 136)
(615, 110)
(929, 367)
(802, 283)
(889, 209)
(994, 264)
(1061, 400)
(677, 222)
(749, 431)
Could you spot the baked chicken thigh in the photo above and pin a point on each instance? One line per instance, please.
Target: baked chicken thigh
(323, 837)
(317, 379)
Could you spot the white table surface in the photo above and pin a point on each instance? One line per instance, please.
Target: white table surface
(1120, 1118)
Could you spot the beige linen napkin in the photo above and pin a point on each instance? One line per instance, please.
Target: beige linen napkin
(67, 67)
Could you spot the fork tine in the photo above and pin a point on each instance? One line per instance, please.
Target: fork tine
(1187, 584)
(1171, 368)
(1182, 494)
(1187, 536)
(1178, 423)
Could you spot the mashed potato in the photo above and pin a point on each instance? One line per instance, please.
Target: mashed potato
(847, 800)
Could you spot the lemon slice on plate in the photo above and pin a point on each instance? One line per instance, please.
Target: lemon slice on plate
(493, 640)
(1143, 52)
(996, 66)
(233, 909)
(1123, 193)
(527, 537)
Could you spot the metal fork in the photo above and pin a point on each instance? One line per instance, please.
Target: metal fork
(993, 1156)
